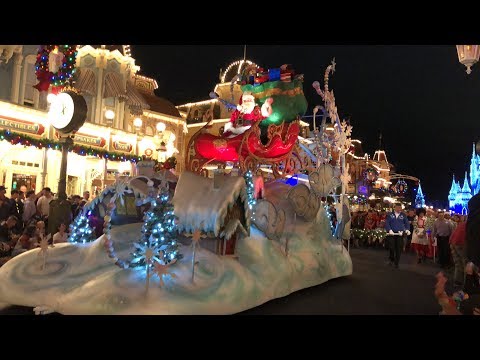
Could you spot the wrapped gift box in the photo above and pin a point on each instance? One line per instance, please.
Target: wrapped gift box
(286, 76)
(274, 74)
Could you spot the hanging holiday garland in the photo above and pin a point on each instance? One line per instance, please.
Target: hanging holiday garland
(370, 175)
(401, 187)
(59, 77)
(16, 138)
(168, 164)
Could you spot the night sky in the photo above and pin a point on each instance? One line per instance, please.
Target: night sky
(419, 97)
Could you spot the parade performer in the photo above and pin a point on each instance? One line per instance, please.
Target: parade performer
(246, 114)
(397, 226)
(420, 239)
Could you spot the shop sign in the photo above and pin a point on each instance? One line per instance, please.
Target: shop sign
(90, 140)
(122, 146)
(87, 140)
(21, 126)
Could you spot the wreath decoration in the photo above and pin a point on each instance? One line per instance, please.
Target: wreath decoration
(65, 71)
(401, 187)
(370, 175)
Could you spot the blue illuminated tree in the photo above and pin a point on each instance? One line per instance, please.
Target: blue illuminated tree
(81, 231)
(419, 199)
(250, 192)
(159, 234)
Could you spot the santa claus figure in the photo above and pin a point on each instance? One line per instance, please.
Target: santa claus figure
(246, 114)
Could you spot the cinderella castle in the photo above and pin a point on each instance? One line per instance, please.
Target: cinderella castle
(460, 195)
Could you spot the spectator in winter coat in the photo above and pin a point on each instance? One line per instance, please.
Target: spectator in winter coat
(4, 204)
(43, 204)
(29, 209)
(472, 240)
(442, 229)
(457, 246)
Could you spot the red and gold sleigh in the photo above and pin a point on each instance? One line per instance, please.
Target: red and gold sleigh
(247, 150)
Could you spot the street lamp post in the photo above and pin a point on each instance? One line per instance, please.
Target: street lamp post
(68, 112)
(109, 115)
(137, 122)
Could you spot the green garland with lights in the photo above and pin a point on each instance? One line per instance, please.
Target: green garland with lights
(378, 234)
(25, 140)
(42, 67)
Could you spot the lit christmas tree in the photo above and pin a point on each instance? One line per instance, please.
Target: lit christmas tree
(250, 192)
(419, 199)
(80, 230)
(159, 234)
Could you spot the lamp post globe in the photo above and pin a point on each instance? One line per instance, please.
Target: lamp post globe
(468, 55)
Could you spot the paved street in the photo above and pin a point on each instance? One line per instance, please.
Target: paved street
(373, 289)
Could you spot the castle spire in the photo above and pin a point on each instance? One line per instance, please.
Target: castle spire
(452, 195)
(454, 184)
(466, 187)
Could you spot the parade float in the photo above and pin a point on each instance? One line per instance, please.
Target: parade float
(158, 244)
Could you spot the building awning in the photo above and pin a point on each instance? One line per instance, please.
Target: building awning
(114, 86)
(86, 82)
(136, 102)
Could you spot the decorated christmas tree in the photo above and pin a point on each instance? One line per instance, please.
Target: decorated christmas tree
(250, 190)
(159, 240)
(80, 230)
(419, 199)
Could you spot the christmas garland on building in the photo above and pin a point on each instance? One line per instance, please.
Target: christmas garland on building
(16, 138)
(59, 78)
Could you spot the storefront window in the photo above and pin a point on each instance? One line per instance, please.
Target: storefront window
(30, 81)
(19, 180)
(72, 185)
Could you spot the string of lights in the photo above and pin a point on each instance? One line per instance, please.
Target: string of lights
(250, 193)
(80, 230)
(43, 68)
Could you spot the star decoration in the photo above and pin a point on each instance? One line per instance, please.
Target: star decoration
(44, 243)
(197, 236)
(345, 177)
(162, 270)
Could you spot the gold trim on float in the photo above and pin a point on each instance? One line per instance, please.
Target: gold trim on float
(277, 91)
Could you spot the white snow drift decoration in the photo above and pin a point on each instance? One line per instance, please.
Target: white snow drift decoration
(199, 206)
(81, 279)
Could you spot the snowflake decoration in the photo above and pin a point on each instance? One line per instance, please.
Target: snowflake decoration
(345, 177)
(162, 270)
(44, 248)
(148, 253)
(163, 187)
(44, 244)
(121, 188)
(342, 137)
